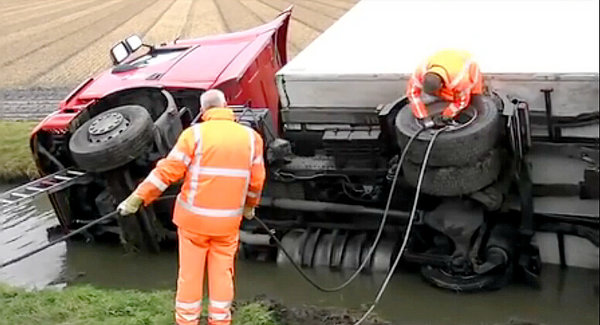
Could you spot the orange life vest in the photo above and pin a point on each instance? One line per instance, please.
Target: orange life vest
(461, 77)
(221, 163)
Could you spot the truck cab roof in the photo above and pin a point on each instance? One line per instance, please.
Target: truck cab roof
(199, 63)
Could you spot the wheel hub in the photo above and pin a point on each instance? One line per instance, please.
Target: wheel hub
(107, 126)
(465, 119)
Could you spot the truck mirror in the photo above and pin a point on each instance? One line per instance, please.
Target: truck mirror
(119, 53)
(134, 42)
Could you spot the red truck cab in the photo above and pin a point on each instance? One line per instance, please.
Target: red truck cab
(161, 87)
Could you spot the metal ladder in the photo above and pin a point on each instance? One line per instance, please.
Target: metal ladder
(47, 184)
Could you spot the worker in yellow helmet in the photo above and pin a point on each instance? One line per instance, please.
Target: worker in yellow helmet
(450, 75)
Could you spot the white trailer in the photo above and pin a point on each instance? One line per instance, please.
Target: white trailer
(543, 52)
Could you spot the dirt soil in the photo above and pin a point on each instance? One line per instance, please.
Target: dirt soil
(311, 315)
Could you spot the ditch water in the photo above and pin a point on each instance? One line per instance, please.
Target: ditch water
(566, 297)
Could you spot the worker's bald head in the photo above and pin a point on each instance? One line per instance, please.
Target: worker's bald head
(212, 98)
(432, 82)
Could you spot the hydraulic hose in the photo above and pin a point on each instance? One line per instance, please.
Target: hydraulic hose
(392, 270)
(58, 240)
(385, 283)
(375, 242)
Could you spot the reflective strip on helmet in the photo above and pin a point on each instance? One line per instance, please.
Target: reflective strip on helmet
(229, 172)
(461, 75)
(208, 212)
(152, 178)
(179, 155)
(196, 161)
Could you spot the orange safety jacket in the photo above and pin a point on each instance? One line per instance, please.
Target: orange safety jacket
(222, 165)
(461, 77)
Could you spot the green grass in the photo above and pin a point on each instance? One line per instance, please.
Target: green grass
(16, 162)
(89, 305)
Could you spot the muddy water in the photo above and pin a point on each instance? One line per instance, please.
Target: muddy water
(567, 296)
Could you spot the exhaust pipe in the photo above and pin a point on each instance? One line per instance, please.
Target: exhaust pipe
(316, 206)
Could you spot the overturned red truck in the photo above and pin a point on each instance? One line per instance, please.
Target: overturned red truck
(513, 185)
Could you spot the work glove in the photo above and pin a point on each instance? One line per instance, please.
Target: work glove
(248, 212)
(130, 205)
(427, 122)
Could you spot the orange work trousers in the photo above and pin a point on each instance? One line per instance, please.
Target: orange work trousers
(217, 255)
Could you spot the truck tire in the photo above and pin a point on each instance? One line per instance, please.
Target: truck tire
(465, 283)
(112, 139)
(453, 180)
(454, 148)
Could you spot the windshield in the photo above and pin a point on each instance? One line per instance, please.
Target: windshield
(156, 57)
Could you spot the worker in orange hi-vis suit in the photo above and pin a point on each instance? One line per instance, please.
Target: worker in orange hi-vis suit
(450, 75)
(221, 163)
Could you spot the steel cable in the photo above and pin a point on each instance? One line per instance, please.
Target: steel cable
(375, 242)
(58, 240)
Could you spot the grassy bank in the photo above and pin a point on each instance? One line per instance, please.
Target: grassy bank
(15, 157)
(88, 305)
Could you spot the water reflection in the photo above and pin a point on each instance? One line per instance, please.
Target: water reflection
(23, 228)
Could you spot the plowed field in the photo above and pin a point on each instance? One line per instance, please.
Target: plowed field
(56, 44)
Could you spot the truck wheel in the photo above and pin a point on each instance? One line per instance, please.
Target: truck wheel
(465, 283)
(458, 147)
(455, 181)
(112, 139)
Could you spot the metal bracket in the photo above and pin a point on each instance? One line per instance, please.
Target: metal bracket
(553, 132)
(518, 125)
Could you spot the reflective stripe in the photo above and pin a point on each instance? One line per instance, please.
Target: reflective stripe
(152, 178)
(207, 212)
(453, 108)
(219, 316)
(252, 195)
(231, 172)
(188, 305)
(415, 99)
(179, 155)
(257, 160)
(417, 82)
(475, 81)
(250, 162)
(197, 161)
(461, 75)
(476, 77)
(189, 317)
(251, 133)
(220, 304)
